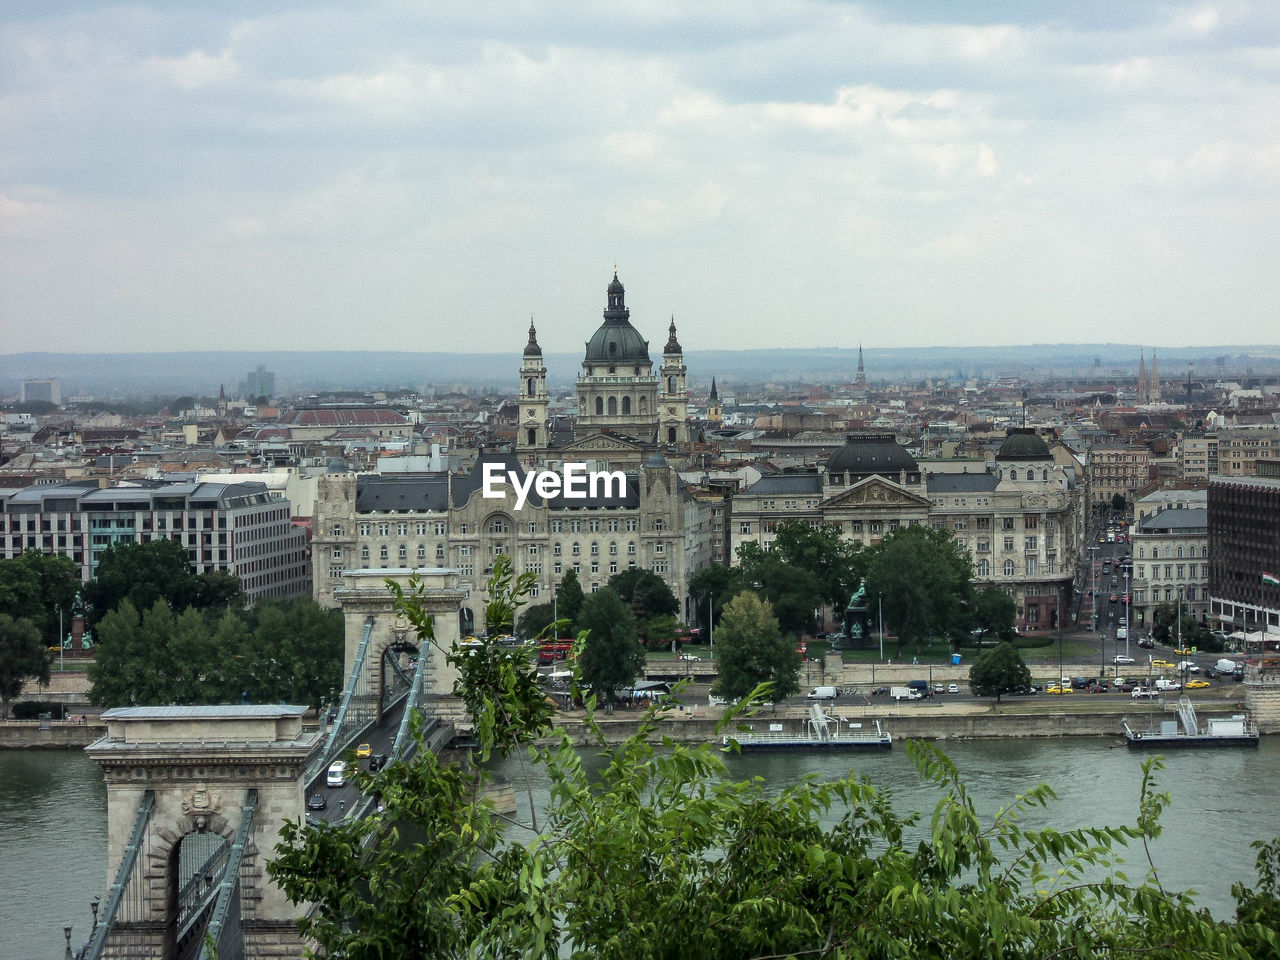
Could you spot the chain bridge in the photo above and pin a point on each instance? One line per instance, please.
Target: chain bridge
(196, 796)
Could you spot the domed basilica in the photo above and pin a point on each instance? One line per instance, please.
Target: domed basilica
(626, 411)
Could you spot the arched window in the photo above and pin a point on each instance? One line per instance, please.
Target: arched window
(1008, 568)
(644, 404)
(599, 406)
(1044, 474)
(531, 383)
(671, 384)
(984, 568)
(613, 406)
(626, 405)
(671, 434)
(1031, 474)
(533, 436)
(1204, 551)
(1142, 552)
(1179, 551)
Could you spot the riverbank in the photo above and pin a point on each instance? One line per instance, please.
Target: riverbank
(50, 735)
(928, 721)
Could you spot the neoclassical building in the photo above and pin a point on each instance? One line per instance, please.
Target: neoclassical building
(1020, 518)
(626, 410)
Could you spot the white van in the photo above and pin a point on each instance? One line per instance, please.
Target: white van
(337, 776)
(823, 693)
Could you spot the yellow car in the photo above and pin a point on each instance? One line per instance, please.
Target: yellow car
(1184, 651)
(1163, 665)
(1059, 690)
(1197, 684)
(364, 751)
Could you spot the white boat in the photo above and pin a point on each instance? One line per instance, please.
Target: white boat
(1234, 731)
(818, 731)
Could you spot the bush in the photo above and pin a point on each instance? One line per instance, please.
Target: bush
(31, 709)
(1033, 643)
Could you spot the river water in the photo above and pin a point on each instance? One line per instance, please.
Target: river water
(53, 815)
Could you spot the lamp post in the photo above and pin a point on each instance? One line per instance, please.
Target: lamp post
(1128, 612)
(880, 614)
(711, 626)
(62, 643)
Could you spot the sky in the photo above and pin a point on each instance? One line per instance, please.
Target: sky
(430, 176)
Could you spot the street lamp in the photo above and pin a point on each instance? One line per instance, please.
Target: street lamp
(711, 626)
(880, 613)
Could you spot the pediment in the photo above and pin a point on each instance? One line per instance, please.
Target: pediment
(874, 493)
(601, 443)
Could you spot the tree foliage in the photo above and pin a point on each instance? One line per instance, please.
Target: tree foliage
(923, 579)
(288, 651)
(793, 592)
(22, 657)
(999, 671)
(836, 564)
(650, 599)
(611, 656)
(992, 613)
(662, 855)
(569, 601)
(35, 586)
(711, 588)
(155, 570)
(752, 651)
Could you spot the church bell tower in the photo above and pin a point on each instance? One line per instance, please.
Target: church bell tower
(673, 426)
(532, 432)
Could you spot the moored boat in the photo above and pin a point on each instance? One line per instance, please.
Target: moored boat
(1234, 731)
(818, 732)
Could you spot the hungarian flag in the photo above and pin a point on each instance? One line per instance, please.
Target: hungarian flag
(1270, 579)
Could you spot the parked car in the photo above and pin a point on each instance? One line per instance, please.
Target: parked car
(1124, 686)
(1121, 660)
(317, 802)
(1146, 643)
(953, 688)
(880, 692)
(1162, 665)
(691, 657)
(1184, 651)
(364, 751)
(1190, 666)
(1197, 684)
(1059, 689)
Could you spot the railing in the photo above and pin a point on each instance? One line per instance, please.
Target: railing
(123, 874)
(194, 901)
(225, 933)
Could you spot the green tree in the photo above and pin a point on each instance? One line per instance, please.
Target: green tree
(999, 671)
(536, 619)
(611, 657)
(659, 854)
(217, 588)
(923, 579)
(142, 573)
(37, 586)
(992, 613)
(569, 601)
(1118, 503)
(751, 651)
(835, 563)
(22, 656)
(793, 591)
(649, 597)
(711, 588)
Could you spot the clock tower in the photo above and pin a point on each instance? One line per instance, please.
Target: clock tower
(532, 430)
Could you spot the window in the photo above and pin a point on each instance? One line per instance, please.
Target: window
(984, 523)
(383, 553)
(1031, 543)
(1008, 568)
(613, 524)
(613, 548)
(404, 552)
(595, 549)
(384, 529)
(402, 528)
(441, 528)
(422, 551)
(499, 526)
(439, 551)
(613, 566)
(1006, 523)
(420, 528)
(335, 573)
(364, 553)
(632, 524)
(337, 553)
(1181, 568)
(595, 566)
(532, 550)
(557, 568)
(1033, 566)
(659, 548)
(876, 526)
(577, 549)
(575, 526)
(556, 549)
(659, 524)
(334, 531)
(984, 546)
(1029, 522)
(1008, 543)
(631, 547)
(984, 567)
(744, 527)
(364, 529)
(593, 525)
(557, 526)
(462, 529)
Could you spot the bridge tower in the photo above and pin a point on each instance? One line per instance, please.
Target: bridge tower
(196, 797)
(367, 605)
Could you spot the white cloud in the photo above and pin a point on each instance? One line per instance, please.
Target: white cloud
(196, 69)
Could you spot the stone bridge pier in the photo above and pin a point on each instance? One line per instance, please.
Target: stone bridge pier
(200, 763)
(364, 596)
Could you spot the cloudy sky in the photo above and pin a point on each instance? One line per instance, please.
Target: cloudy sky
(427, 176)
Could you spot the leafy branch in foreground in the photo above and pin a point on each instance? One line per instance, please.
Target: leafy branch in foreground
(661, 854)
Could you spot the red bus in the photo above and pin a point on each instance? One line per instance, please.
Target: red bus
(553, 651)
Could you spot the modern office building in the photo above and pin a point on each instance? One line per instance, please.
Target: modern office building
(244, 529)
(1244, 553)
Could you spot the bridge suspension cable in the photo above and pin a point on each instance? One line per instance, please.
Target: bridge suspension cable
(124, 873)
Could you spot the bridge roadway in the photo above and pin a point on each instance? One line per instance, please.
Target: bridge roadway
(380, 737)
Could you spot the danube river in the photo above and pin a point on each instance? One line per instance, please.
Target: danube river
(53, 816)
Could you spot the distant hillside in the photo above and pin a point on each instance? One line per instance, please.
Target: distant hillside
(201, 373)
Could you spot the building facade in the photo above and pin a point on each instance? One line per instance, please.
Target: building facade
(1244, 553)
(1240, 449)
(442, 520)
(244, 529)
(1171, 562)
(1117, 469)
